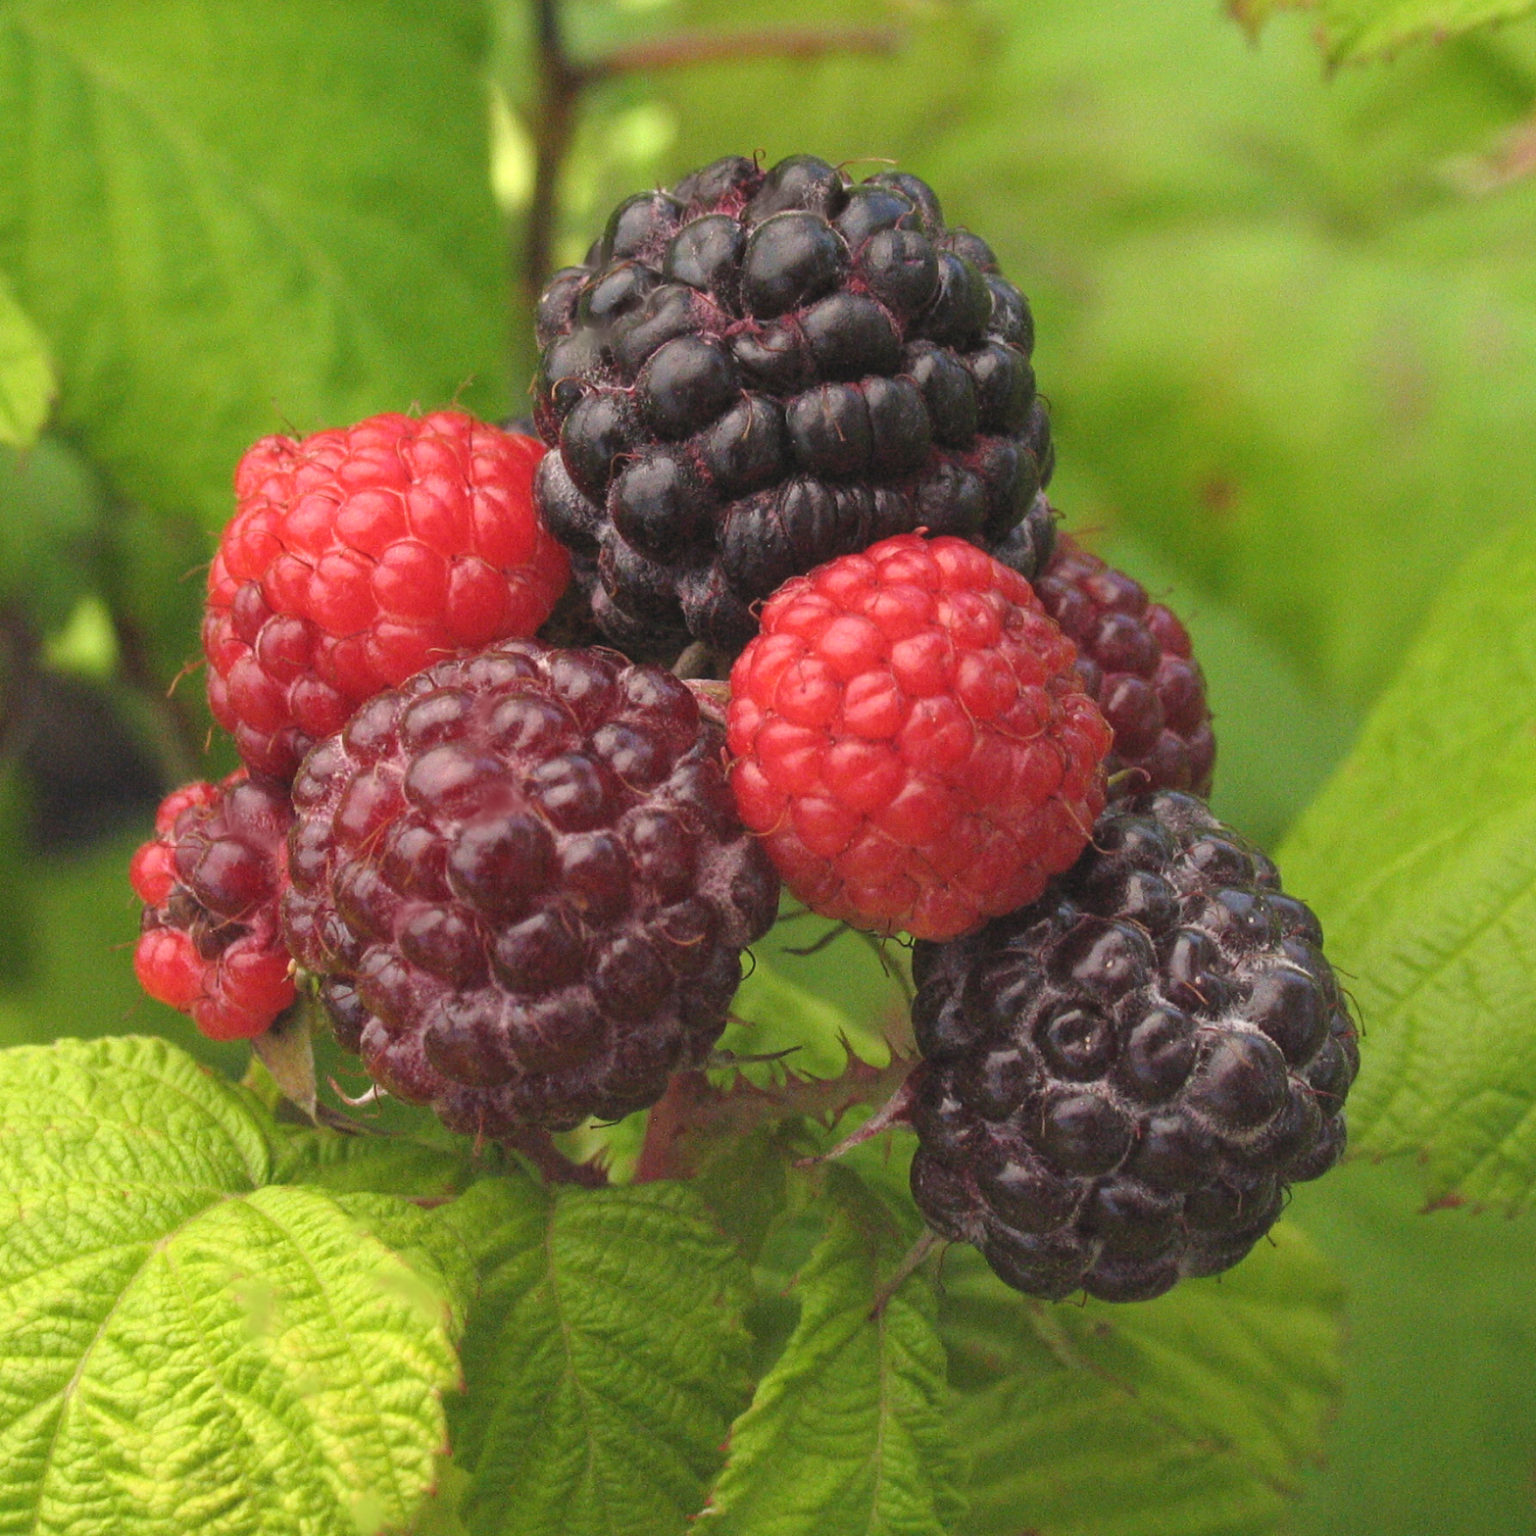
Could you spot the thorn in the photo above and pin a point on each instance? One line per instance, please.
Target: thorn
(372, 1096)
(897, 1110)
(721, 1059)
(836, 931)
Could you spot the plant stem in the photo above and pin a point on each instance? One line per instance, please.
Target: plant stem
(684, 50)
(560, 83)
(668, 1119)
(539, 1148)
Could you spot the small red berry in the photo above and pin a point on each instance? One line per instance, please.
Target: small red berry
(358, 556)
(911, 741)
(209, 881)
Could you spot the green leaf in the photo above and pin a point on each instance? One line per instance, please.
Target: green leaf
(26, 379)
(1192, 1414)
(183, 1344)
(849, 1430)
(1434, 1432)
(1420, 858)
(1350, 31)
(244, 219)
(1267, 446)
(50, 530)
(605, 1359)
(348, 1164)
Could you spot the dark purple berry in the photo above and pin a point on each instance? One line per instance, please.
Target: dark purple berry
(1119, 1082)
(527, 899)
(1135, 662)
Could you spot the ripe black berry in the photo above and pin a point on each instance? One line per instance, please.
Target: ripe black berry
(522, 880)
(763, 370)
(1121, 1080)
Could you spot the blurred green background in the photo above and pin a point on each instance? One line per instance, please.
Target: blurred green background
(1287, 325)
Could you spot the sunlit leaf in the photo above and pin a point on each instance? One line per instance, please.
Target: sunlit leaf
(233, 220)
(174, 1326)
(604, 1360)
(26, 379)
(849, 1431)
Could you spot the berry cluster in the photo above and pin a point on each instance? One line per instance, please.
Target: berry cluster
(793, 434)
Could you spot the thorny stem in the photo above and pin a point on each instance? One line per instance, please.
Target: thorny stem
(562, 80)
(897, 1110)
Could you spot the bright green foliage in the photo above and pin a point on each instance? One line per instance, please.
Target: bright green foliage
(1436, 1430)
(1191, 1414)
(1421, 860)
(26, 380)
(604, 1361)
(359, 1164)
(50, 520)
(1354, 30)
(187, 1346)
(849, 1430)
(231, 220)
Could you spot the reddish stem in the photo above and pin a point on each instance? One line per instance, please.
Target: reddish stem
(668, 1120)
(540, 1150)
